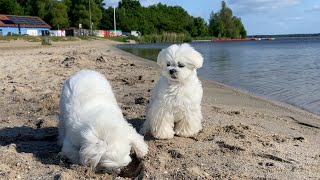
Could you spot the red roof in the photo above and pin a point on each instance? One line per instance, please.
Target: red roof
(23, 21)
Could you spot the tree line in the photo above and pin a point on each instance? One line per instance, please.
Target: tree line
(130, 15)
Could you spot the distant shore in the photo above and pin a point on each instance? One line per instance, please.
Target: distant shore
(244, 136)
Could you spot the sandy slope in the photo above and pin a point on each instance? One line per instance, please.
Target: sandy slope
(244, 137)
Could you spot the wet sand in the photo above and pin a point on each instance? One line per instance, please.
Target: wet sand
(244, 136)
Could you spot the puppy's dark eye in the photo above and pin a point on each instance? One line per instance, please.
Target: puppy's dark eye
(168, 64)
(180, 65)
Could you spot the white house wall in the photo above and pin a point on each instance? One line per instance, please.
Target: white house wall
(24, 30)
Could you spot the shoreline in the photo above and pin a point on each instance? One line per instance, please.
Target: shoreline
(244, 136)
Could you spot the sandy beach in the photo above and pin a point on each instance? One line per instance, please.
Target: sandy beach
(244, 136)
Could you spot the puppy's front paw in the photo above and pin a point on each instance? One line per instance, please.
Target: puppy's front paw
(163, 135)
(184, 133)
(187, 132)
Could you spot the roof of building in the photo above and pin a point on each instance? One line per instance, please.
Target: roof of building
(23, 21)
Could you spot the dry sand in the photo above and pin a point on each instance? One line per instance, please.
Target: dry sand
(244, 137)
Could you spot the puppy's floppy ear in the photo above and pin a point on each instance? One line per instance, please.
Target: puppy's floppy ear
(166, 55)
(191, 55)
(92, 150)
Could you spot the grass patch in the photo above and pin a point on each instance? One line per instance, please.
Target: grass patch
(118, 38)
(204, 38)
(165, 38)
(123, 38)
(67, 38)
(41, 38)
(25, 38)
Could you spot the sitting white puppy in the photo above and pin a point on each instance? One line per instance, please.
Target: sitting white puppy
(175, 104)
(92, 129)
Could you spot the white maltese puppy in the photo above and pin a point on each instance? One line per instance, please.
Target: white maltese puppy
(92, 129)
(175, 104)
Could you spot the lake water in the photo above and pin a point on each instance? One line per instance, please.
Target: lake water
(286, 70)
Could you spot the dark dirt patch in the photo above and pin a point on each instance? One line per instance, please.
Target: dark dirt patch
(233, 148)
(273, 157)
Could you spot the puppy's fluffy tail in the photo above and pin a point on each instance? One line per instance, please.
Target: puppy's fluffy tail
(92, 150)
(137, 143)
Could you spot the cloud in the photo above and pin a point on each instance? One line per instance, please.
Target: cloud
(111, 2)
(292, 19)
(315, 8)
(260, 6)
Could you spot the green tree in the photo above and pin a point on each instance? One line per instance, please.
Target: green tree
(11, 7)
(129, 14)
(163, 18)
(199, 28)
(51, 11)
(106, 22)
(78, 12)
(224, 24)
(58, 15)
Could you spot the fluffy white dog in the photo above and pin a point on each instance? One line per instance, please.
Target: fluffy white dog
(175, 104)
(92, 129)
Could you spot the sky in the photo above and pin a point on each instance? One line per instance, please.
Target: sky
(258, 16)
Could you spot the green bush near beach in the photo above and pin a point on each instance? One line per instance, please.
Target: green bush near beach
(165, 38)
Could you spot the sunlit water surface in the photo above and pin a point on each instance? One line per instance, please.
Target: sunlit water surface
(286, 70)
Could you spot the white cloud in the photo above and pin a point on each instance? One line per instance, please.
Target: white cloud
(315, 8)
(292, 19)
(148, 2)
(260, 6)
(111, 2)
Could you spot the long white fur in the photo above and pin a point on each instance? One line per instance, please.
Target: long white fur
(92, 129)
(175, 104)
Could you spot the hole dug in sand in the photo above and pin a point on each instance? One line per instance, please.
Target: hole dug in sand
(133, 169)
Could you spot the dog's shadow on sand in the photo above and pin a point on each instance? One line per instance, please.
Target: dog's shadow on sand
(136, 123)
(41, 142)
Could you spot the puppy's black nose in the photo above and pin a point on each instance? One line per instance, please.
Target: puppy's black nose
(171, 71)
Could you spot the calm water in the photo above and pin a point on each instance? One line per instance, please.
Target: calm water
(286, 70)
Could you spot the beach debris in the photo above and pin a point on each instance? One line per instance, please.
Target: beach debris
(51, 60)
(139, 100)
(68, 61)
(199, 173)
(278, 138)
(268, 164)
(299, 138)
(46, 41)
(40, 123)
(176, 154)
(231, 113)
(9, 77)
(46, 53)
(273, 157)
(223, 145)
(100, 59)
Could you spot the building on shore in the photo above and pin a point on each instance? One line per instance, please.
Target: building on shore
(23, 25)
